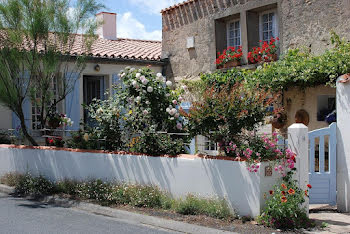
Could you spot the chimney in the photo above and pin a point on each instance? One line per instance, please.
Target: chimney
(108, 28)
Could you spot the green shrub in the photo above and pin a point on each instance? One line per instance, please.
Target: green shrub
(105, 193)
(67, 186)
(10, 179)
(36, 186)
(144, 196)
(159, 144)
(198, 206)
(284, 209)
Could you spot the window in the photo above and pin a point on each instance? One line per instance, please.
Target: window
(268, 25)
(209, 145)
(204, 145)
(326, 105)
(233, 33)
(36, 109)
(36, 124)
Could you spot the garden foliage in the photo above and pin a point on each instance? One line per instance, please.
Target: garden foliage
(111, 194)
(225, 112)
(284, 207)
(140, 112)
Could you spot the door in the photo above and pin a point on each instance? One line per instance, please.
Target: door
(94, 87)
(322, 174)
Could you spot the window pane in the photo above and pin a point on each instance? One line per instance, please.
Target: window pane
(265, 18)
(265, 26)
(271, 16)
(265, 36)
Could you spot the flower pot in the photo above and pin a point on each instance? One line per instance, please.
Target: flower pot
(274, 57)
(54, 123)
(232, 63)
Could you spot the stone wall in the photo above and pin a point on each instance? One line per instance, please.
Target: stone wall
(300, 23)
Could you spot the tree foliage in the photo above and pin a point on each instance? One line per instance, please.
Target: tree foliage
(37, 38)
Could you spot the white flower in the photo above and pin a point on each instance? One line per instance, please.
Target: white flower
(172, 118)
(86, 137)
(144, 81)
(173, 111)
(169, 83)
(99, 111)
(177, 115)
(159, 75)
(122, 75)
(179, 126)
(145, 112)
(259, 67)
(167, 95)
(142, 78)
(127, 68)
(138, 98)
(168, 110)
(150, 89)
(134, 83)
(174, 102)
(147, 103)
(132, 69)
(138, 75)
(184, 87)
(181, 99)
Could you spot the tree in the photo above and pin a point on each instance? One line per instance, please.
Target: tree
(41, 43)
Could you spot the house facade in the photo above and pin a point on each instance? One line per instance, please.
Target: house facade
(109, 55)
(194, 31)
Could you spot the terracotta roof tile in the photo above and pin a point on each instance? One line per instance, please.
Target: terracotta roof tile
(121, 48)
(176, 6)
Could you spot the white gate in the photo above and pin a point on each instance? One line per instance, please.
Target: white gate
(322, 174)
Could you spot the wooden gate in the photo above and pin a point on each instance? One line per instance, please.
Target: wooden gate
(322, 174)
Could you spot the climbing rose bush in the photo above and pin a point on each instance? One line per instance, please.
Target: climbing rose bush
(150, 105)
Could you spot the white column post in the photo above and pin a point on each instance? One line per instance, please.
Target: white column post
(298, 142)
(343, 146)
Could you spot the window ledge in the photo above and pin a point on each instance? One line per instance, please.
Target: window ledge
(244, 66)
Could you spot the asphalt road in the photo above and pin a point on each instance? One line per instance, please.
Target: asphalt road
(21, 216)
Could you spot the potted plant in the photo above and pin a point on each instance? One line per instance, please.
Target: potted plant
(54, 120)
(230, 57)
(266, 53)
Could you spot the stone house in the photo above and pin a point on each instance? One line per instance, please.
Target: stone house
(109, 55)
(195, 30)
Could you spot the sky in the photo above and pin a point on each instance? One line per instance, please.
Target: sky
(139, 19)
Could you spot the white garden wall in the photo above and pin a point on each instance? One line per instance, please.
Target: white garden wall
(179, 175)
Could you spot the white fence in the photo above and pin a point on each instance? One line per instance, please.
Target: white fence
(180, 176)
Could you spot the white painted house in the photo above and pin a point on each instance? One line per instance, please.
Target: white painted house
(109, 55)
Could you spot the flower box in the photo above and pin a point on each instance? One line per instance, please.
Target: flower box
(232, 63)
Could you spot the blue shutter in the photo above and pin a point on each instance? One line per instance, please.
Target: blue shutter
(26, 107)
(115, 81)
(72, 101)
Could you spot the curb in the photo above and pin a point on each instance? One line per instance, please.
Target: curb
(140, 219)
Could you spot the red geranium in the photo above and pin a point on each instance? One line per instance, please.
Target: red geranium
(309, 186)
(229, 54)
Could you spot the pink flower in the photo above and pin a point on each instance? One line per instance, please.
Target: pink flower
(179, 126)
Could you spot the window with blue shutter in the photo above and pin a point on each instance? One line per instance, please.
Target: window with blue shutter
(72, 101)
